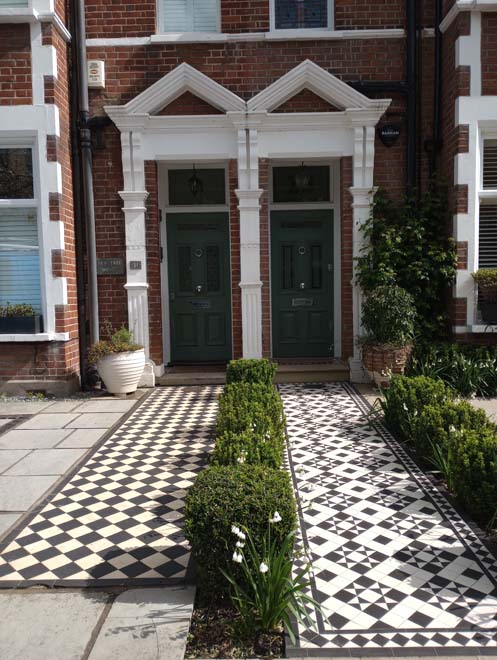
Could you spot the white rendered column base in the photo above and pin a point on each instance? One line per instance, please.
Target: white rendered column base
(358, 373)
(251, 319)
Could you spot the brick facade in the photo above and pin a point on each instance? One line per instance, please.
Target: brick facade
(15, 65)
(489, 54)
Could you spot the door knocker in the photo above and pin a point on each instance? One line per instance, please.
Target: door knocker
(198, 253)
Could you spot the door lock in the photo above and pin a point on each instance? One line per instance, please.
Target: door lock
(198, 288)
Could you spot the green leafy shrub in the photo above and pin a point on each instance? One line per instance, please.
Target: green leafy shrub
(388, 316)
(409, 245)
(120, 341)
(486, 278)
(22, 309)
(436, 425)
(243, 495)
(470, 370)
(405, 399)
(474, 472)
(250, 425)
(251, 371)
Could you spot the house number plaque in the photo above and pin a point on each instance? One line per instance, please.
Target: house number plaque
(112, 266)
(135, 265)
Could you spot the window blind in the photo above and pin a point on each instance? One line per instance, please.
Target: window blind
(13, 3)
(191, 15)
(19, 258)
(490, 164)
(487, 249)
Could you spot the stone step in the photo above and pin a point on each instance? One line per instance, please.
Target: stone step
(287, 373)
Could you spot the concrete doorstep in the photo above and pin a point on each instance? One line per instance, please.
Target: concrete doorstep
(148, 623)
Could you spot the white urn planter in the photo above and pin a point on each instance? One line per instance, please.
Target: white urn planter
(121, 372)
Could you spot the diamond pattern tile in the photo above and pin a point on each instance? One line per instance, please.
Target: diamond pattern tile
(394, 565)
(119, 516)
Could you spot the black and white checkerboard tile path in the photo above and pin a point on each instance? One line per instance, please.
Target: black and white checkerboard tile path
(118, 517)
(395, 567)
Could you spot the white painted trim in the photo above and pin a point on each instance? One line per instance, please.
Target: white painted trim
(222, 37)
(42, 336)
(483, 328)
(30, 15)
(468, 53)
(466, 5)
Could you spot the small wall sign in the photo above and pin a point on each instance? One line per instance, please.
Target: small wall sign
(389, 134)
(135, 265)
(96, 74)
(112, 266)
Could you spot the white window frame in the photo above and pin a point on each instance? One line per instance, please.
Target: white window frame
(294, 32)
(161, 22)
(34, 203)
(484, 195)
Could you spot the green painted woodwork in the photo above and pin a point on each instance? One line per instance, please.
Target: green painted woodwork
(302, 283)
(199, 286)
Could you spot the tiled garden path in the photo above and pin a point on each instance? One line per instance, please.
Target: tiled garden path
(117, 517)
(394, 565)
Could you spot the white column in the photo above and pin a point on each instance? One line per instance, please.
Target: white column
(362, 196)
(134, 197)
(249, 207)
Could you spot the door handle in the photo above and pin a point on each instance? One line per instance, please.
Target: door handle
(302, 285)
(198, 288)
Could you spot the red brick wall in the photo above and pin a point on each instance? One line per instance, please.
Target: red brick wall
(236, 294)
(153, 262)
(240, 16)
(115, 19)
(489, 53)
(39, 361)
(346, 226)
(356, 14)
(306, 101)
(189, 104)
(15, 65)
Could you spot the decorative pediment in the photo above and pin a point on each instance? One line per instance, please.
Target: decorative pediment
(184, 78)
(308, 75)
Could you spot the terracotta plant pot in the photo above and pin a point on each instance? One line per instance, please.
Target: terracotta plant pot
(121, 372)
(382, 360)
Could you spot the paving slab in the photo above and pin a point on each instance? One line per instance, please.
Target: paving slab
(48, 626)
(33, 438)
(8, 457)
(106, 405)
(150, 624)
(82, 438)
(20, 493)
(94, 420)
(48, 421)
(22, 407)
(46, 462)
(5, 422)
(488, 405)
(62, 406)
(7, 520)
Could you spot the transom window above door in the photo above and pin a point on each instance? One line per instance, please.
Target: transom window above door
(301, 183)
(194, 187)
(189, 15)
(302, 14)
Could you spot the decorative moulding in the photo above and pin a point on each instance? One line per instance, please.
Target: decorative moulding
(465, 5)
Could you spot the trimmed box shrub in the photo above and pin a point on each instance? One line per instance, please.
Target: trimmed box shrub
(405, 399)
(245, 495)
(474, 472)
(250, 425)
(437, 424)
(251, 371)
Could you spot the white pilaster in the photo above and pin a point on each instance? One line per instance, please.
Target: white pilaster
(134, 197)
(250, 243)
(362, 196)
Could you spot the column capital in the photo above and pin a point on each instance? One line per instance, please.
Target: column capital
(133, 198)
(362, 196)
(250, 197)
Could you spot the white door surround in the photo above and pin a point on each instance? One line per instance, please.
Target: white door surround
(247, 132)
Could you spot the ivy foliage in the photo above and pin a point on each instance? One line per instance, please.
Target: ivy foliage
(409, 246)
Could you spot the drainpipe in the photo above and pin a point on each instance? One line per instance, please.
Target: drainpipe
(412, 96)
(83, 116)
(437, 125)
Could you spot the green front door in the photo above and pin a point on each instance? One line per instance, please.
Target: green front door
(199, 286)
(302, 283)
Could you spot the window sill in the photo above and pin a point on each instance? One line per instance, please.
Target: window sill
(42, 336)
(274, 35)
(480, 328)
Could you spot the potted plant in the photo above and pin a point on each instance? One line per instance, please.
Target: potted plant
(388, 318)
(486, 280)
(118, 360)
(20, 319)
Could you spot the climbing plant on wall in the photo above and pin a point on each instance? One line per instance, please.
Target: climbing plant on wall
(408, 244)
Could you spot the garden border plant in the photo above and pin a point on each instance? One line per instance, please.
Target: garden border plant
(451, 435)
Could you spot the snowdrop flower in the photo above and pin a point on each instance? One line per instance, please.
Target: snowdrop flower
(264, 568)
(276, 518)
(241, 535)
(237, 557)
(452, 428)
(240, 544)
(235, 530)
(405, 407)
(241, 459)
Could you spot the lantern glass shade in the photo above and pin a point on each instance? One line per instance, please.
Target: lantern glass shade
(191, 187)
